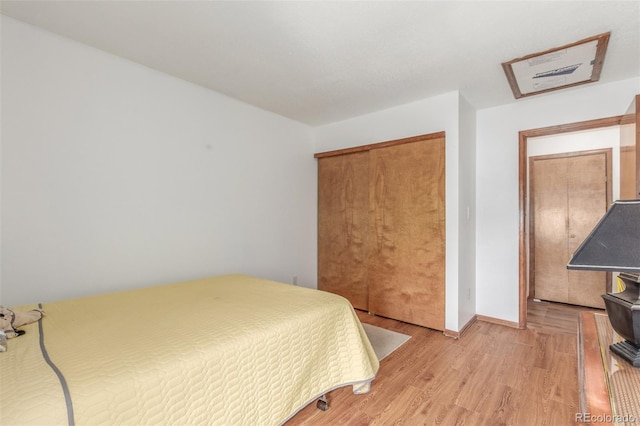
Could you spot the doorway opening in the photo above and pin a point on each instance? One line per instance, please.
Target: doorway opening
(526, 137)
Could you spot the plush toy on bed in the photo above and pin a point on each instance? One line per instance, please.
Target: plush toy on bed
(11, 320)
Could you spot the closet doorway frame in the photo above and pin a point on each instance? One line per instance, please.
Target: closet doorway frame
(523, 164)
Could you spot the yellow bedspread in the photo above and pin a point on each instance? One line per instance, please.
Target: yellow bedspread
(232, 350)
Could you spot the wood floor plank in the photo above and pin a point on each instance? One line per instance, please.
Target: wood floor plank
(493, 375)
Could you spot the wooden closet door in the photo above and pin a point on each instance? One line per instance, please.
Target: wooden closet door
(587, 203)
(549, 216)
(343, 207)
(569, 196)
(407, 231)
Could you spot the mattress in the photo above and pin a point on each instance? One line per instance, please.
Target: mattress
(230, 350)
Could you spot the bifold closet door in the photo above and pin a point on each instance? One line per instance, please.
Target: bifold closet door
(343, 208)
(569, 196)
(407, 232)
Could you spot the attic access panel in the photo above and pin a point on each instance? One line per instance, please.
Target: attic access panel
(566, 66)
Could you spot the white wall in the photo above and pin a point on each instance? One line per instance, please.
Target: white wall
(427, 116)
(114, 175)
(497, 179)
(467, 217)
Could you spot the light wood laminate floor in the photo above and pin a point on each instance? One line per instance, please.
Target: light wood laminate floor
(493, 375)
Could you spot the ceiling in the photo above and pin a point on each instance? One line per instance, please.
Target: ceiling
(323, 61)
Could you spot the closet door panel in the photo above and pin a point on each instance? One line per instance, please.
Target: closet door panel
(569, 195)
(549, 197)
(343, 207)
(587, 202)
(406, 222)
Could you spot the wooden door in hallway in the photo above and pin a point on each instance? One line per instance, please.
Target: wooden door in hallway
(569, 194)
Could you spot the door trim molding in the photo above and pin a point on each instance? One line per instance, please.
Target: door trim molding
(360, 148)
(523, 137)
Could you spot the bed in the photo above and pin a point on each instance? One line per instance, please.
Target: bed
(232, 350)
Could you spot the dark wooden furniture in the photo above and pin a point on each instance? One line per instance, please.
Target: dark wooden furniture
(609, 386)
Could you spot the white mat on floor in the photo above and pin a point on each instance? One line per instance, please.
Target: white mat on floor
(384, 341)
